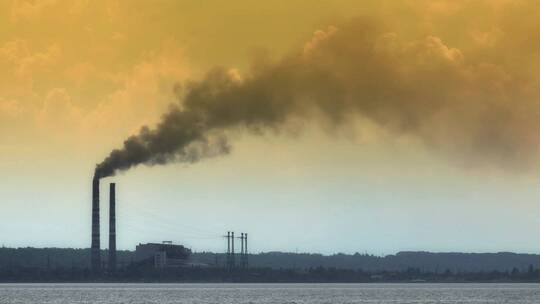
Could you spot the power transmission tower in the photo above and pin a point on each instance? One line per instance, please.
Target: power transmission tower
(243, 251)
(228, 256)
(246, 264)
(231, 256)
(232, 251)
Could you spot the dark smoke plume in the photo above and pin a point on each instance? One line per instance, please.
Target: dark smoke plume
(421, 87)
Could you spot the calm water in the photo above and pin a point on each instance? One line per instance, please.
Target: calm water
(270, 293)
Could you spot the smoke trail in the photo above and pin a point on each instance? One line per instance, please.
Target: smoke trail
(421, 87)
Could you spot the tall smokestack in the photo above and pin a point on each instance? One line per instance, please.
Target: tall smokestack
(95, 251)
(112, 228)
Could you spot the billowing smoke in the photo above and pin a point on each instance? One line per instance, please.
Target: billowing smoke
(421, 87)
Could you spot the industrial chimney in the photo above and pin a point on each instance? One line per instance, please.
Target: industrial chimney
(95, 258)
(112, 228)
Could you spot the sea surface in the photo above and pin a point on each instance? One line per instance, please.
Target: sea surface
(270, 293)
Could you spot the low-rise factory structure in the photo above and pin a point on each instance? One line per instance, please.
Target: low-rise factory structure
(162, 255)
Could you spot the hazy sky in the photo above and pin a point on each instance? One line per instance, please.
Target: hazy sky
(444, 159)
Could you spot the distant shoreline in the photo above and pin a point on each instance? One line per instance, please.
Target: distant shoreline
(270, 283)
(67, 265)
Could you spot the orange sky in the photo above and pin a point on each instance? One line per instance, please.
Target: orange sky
(75, 72)
(77, 77)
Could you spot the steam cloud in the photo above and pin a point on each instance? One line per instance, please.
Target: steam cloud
(422, 87)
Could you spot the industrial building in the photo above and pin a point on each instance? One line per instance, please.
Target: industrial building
(162, 255)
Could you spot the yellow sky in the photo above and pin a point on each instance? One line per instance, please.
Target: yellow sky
(79, 76)
(77, 71)
(73, 72)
